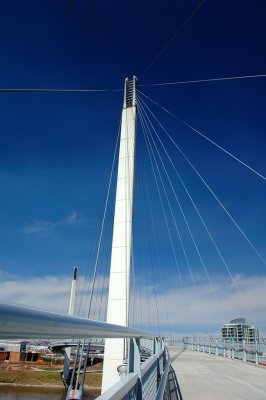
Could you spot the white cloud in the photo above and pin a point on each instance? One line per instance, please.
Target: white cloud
(201, 308)
(71, 219)
(41, 227)
(187, 310)
(52, 292)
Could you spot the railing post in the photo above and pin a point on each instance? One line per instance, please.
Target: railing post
(158, 372)
(155, 346)
(244, 351)
(198, 345)
(216, 347)
(133, 362)
(224, 349)
(256, 352)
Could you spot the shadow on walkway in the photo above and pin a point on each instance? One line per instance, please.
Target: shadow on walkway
(175, 392)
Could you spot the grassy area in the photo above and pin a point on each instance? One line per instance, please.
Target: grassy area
(43, 378)
(94, 379)
(30, 377)
(58, 369)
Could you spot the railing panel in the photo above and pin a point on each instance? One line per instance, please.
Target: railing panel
(254, 352)
(161, 363)
(220, 351)
(152, 383)
(149, 378)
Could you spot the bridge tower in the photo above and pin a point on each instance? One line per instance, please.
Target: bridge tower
(118, 300)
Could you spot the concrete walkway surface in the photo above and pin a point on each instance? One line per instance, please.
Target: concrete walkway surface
(208, 377)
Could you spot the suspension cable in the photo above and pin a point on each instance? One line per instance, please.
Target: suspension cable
(157, 255)
(103, 222)
(106, 269)
(148, 231)
(187, 224)
(194, 204)
(174, 36)
(212, 192)
(225, 78)
(152, 265)
(103, 264)
(41, 90)
(142, 185)
(153, 228)
(206, 137)
(90, 262)
(171, 211)
(160, 196)
(157, 185)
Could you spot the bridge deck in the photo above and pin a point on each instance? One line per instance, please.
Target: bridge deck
(207, 377)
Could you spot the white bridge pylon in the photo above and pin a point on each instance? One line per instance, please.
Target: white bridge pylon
(118, 300)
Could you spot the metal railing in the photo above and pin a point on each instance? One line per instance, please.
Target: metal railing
(144, 381)
(254, 352)
(20, 322)
(146, 373)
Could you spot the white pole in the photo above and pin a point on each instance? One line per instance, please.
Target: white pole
(118, 300)
(71, 311)
(72, 301)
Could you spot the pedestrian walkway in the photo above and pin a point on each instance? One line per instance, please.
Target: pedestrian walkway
(208, 377)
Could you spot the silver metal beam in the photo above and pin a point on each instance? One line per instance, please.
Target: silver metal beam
(21, 322)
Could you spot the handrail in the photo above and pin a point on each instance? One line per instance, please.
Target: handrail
(149, 362)
(240, 350)
(121, 388)
(132, 384)
(164, 379)
(149, 378)
(21, 322)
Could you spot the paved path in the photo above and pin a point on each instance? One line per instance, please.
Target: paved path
(208, 377)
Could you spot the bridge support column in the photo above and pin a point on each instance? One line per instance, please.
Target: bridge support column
(118, 299)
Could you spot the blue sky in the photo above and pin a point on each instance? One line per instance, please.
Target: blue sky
(56, 149)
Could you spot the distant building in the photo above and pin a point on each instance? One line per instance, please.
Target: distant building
(15, 351)
(237, 330)
(11, 350)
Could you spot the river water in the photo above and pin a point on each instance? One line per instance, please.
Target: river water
(16, 395)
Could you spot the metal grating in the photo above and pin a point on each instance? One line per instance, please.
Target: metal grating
(150, 383)
(133, 393)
